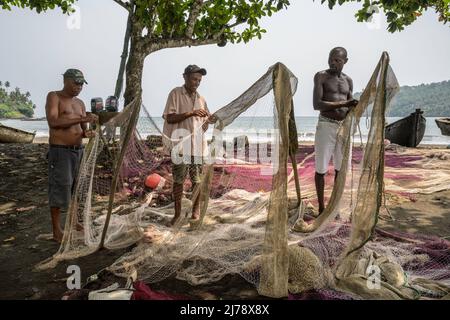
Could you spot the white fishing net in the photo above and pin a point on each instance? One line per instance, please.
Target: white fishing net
(257, 214)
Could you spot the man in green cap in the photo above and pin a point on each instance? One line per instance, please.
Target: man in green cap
(67, 120)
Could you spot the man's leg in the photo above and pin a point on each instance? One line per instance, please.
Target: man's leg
(178, 174)
(319, 179)
(195, 201)
(323, 148)
(56, 225)
(195, 172)
(56, 190)
(177, 196)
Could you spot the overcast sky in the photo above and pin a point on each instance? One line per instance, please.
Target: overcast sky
(36, 49)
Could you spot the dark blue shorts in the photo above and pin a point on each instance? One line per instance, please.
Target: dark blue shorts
(63, 165)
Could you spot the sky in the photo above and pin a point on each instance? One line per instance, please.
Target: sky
(37, 48)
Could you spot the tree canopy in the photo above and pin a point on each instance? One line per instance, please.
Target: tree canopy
(38, 5)
(15, 104)
(172, 14)
(399, 13)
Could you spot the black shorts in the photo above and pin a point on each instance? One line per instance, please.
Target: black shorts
(63, 165)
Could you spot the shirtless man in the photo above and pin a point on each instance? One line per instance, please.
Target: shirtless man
(67, 120)
(333, 98)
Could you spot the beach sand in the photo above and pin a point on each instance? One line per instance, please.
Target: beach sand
(24, 214)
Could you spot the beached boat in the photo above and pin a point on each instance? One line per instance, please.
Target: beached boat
(444, 125)
(407, 132)
(13, 135)
(34, 119)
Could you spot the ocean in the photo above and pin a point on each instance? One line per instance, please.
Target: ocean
(255, 128)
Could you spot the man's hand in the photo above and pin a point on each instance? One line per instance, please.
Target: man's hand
(352, 103)
(89, 134)
(200, 113)
(90, 117)
(211, 119)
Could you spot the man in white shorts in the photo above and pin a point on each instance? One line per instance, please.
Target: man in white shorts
(333, 98)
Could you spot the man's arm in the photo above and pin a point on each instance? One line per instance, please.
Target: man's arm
(52, 113)
(350, 91)
(352, 102)
(178, 117)
(83, 112)
(319, 103)
(87, 133)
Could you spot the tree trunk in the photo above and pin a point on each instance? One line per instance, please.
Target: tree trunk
(123, 57)
(135, 66)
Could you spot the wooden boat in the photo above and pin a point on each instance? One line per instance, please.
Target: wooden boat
(34, 119)
(444, 125)
(13, 135)
(407, 132)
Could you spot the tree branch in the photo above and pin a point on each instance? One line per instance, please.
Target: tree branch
(124, 5)
(178, 43)
(234, 25)
(151, 45)
(193, 15)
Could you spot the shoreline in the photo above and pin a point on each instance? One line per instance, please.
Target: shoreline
(44, 140)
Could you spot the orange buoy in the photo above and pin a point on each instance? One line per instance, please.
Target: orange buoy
(152, 181)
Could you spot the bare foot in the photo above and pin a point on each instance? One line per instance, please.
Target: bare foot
(173, 221)
(195, 215)
(58, 235)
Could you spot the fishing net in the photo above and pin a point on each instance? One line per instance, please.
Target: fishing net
(257, 203)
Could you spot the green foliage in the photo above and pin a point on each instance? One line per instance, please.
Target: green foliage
(433, 99)
(399, 13)
(38, 5)
(169, 19)
(15, 104)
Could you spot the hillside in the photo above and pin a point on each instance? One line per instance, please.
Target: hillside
(433, 99)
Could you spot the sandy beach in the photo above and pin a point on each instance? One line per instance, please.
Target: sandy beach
(24, 214)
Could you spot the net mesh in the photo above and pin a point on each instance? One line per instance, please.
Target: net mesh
(257, 216)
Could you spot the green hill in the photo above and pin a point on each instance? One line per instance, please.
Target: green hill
(15, 104)
(433, 99)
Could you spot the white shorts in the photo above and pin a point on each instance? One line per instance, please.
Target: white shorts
(327, 146)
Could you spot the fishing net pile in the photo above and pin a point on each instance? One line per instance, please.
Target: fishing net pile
(256, 217)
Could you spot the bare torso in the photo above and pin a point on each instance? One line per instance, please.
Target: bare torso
(67, 108)
(335, 89)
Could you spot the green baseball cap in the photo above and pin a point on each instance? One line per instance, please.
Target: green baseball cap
(193, 68)
(75, 74)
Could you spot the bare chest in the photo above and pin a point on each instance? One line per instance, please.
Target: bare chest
(338, 86)
(70, 107)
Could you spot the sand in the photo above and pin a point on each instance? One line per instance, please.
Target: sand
(24, 214)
